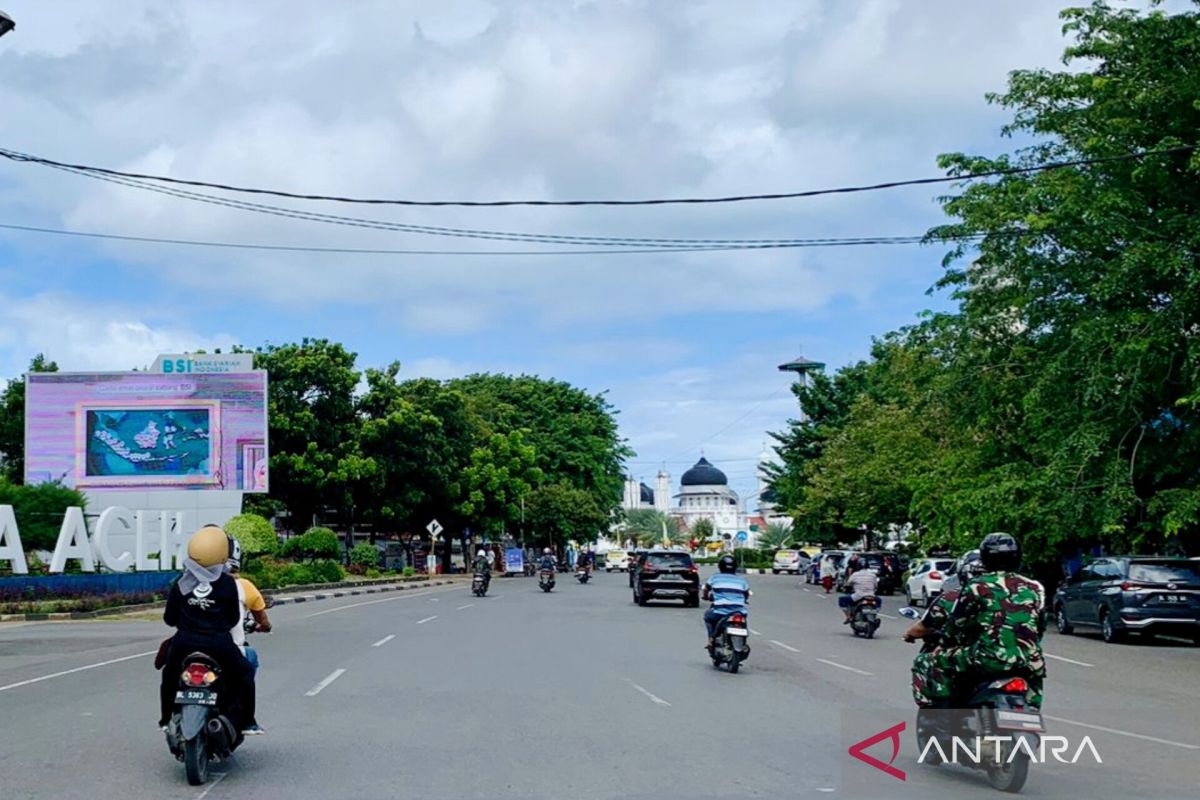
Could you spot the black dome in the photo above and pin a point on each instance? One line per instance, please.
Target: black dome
(703, 474)
(647, 494)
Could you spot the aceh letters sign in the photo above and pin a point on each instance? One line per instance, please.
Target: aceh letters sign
(157, 539)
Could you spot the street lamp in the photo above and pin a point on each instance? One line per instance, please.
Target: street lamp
(6, 23)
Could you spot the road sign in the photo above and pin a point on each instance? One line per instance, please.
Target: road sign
(434, 527)
(742, 536)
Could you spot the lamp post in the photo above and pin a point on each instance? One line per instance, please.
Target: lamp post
(6, 23)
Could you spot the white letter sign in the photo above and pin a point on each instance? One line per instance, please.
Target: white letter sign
(10, 542)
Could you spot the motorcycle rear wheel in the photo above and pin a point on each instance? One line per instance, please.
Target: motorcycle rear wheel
(195, 759)
(1010, 776)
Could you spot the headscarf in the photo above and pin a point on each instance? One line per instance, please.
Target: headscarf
(195, 574)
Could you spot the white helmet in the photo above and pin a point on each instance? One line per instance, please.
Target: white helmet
(234, 562)
(546, 551)
(481, 552)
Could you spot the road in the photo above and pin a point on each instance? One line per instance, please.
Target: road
(576, 694)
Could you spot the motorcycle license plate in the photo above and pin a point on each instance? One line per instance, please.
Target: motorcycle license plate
(1019, 721)
(738, 632)
(195, 697)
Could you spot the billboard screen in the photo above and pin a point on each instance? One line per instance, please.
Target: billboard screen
(139, 430)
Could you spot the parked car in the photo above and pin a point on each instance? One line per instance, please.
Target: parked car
(925, 580)
(787, 561)
(616, 559)
(666, 575)
(1132, 594)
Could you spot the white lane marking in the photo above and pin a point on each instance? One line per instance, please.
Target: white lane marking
(384, 640)
(427, 619)
(435, 599)
(77, 669)
(364, 603)
(754, 632)
(889, 616)
(843, 666)
(657, 700)
(1142, 736)
(220, 776)
(1068, 660)
(826, 789)
(463, 608)
(784, 646)
(330, 678)
(823, 596)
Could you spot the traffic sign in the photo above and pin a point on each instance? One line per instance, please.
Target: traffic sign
(742, 536)
(434, 527)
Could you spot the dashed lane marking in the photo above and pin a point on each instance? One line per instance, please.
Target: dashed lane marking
(333, 676)
(653, 697)
(843, 666)
(384, 640)
(76, 669)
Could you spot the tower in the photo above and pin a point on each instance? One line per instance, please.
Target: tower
(803, 367)
(662, 491)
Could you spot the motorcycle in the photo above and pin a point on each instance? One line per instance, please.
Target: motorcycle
(479, 584)
(991, 706)
(546, 580)
(583, 575)
(198, 732)
(865, 619)
(730, 643)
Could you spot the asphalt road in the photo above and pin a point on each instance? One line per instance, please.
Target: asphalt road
(576, 694)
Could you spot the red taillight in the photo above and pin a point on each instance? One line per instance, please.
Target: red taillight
(737, 619)
(692, 569)
(1130, 586)
(1015, 685)
(198, 675)
(935, 575)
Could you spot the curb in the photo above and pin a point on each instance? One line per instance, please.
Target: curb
(340, 589)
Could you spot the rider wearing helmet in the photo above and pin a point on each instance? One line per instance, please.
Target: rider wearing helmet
(547, 562)
(203, 607)
(483, 566)
(993, 626)
(252, 603)
(728, 594)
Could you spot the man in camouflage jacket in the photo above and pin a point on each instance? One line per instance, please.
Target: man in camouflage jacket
(992, 626)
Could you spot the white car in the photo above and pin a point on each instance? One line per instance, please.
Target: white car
(616, 559)
(790, 561)
(925, 580)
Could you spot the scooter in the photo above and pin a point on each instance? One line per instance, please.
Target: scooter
(546, 580)
(583, 574)
(989, 714)
(865, 619)
(198, 732)
(731, 643)
(479, 584)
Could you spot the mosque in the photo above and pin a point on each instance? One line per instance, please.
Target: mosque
(703, 493)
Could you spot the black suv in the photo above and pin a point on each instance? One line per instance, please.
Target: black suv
(666, 575)
(1124, 594)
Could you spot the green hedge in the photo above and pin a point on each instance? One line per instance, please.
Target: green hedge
(364, 555)
(255, 533)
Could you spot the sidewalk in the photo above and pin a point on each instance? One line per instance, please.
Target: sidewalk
(290, 594)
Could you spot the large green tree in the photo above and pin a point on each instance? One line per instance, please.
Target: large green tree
(557, 513)
(12, 422)
(502, 473)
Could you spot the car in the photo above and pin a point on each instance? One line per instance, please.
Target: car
(616, 559)
(952, 581)
(925, 579)
(666, 575)
(787, 561)
(885, 565)
(1132, 594)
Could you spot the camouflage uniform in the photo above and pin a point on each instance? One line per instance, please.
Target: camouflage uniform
(993, 625)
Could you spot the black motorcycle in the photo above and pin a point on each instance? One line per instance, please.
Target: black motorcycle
(546, 580)
(583, 574)
(479, 584)
(990, 717)
(730, 643)
(198, 732)
(864, 621)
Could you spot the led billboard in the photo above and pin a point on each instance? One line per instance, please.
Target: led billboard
(139, 430)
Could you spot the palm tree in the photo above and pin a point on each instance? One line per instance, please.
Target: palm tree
(645, 526)
(776, 537)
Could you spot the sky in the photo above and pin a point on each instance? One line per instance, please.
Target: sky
(475, 100)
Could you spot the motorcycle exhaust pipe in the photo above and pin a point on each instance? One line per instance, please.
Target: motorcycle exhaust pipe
(214, 727)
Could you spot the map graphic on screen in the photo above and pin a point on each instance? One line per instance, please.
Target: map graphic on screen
(139, 441)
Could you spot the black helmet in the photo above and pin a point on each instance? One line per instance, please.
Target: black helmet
(1000, 552)
(727, 564)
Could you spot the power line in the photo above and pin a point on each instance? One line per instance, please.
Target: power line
(14, 155)
(798, 244)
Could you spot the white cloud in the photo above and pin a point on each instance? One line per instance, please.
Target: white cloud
(83, 336)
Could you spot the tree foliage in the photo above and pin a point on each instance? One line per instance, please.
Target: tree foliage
(1059, 400)
(12, 422)
(557, 513)
(39, 510)
(255, 534)
(645, 526)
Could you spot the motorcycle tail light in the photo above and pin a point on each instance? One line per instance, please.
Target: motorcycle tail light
(198, 675)
(1016, 685)
(737, 619)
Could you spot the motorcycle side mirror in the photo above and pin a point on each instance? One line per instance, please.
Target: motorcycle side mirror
(909, 612)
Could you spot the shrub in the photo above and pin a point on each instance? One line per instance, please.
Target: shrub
(39, 510)
(290, 548)
(265, 573)
(296, 575)
(327, 571)
(318, 543)
(372, 572)
(366, 555)
(409, 572)
(255, 533)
